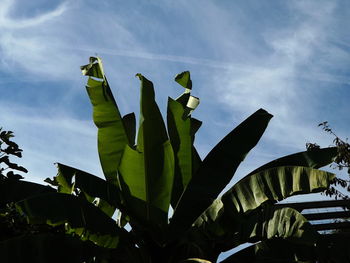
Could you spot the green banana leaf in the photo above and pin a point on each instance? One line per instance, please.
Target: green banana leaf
(148, 208)
(250, 193)
(196, 159)
(264, 223)
(276, 184)
(217, 170)
(182, 128)
(270, 222)
(179, 129)
(315, 158)
(184, 79)
(129, 121)
(91, 185)
(272, 185)
(112, 136)
(49, 247)
(84, 219)
(16, 190)
(147, 172)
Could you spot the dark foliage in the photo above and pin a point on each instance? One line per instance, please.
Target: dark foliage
(341, 187)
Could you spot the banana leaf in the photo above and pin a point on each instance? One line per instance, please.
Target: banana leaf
(217, 170)
(179, 128)
(83, 218)
(250, 193)
(276, 184)
(184, 79)
(49, 247)
(147, 172)
(129, 121)
(112, 136)
(16, 190)
(182, 128)
(91, 185)
(269, 222)
(271, 185)
(315, 158)
(264, 223)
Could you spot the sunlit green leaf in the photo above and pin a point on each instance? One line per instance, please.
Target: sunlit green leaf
(179, 127)
(315, 158)
(184, 79)
(148, 170)
(112, 137)
(217, 170)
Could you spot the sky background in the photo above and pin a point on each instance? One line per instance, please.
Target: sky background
(289, 57)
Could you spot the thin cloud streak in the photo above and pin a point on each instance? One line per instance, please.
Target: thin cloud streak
(279, 86)
(8, 23)
(229, 66)
(48, 138)
(271, 66)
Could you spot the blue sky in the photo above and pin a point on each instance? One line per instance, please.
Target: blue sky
(289, 57)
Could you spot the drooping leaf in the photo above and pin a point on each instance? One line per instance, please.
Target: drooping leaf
(250, 193)
(270, 222)
(263, 223)
(49, 247)
(217, 170)
(84, 219)
(16, 190)
(315, 158)
(272, 185)
(112, 137)
(276, 184)
(90, 185)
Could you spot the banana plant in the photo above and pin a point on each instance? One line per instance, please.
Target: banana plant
(127, 215)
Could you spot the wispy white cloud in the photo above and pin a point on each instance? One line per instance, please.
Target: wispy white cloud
(291, 73)
(47, 138)
(242, 57)
(9, 23)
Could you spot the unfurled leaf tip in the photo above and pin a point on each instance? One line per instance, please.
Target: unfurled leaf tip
(139, 75)
(184, 79)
